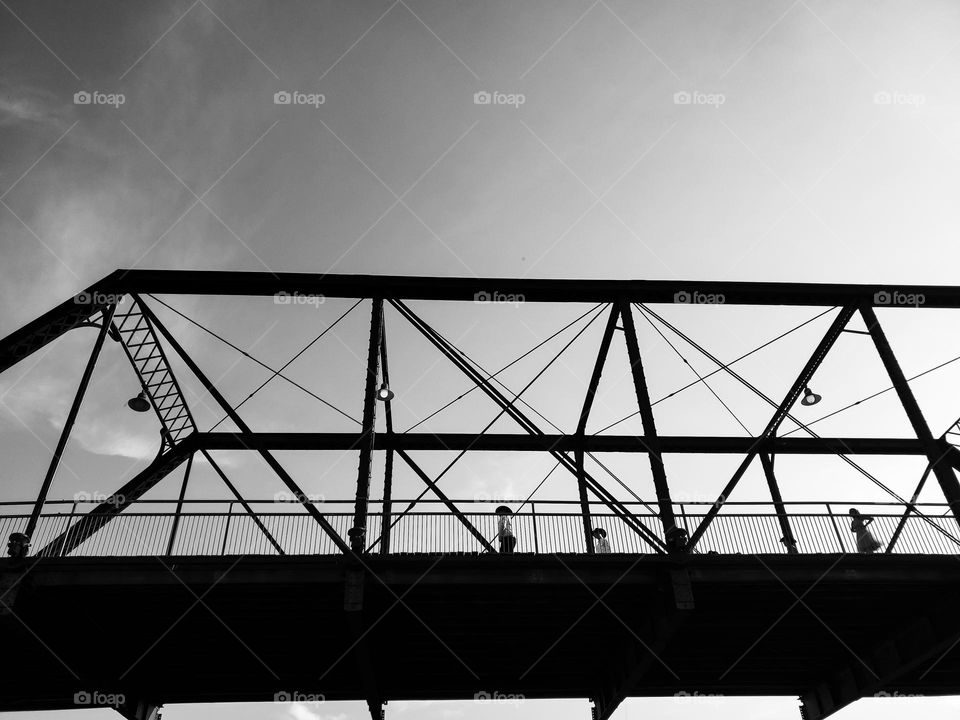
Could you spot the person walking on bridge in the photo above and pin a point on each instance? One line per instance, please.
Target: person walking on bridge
(505, 530)
(866, 542)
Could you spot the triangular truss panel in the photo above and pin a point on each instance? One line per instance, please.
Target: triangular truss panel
(629, 403)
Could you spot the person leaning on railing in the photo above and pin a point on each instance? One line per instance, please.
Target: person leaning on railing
(505, 530)
(866, 542)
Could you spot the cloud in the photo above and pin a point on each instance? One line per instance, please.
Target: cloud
(302, 711)
(40, 400)
(24, 104)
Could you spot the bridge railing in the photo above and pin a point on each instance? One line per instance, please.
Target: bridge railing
(538, 527)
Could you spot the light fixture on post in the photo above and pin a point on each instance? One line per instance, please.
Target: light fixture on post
(810, 397)
(140, 403)
(384, 393)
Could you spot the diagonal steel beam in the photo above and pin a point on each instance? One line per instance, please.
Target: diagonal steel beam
(132, 490)
(451, 506)
(238, 421)
(941, 469)
(244, 503)
(582, 423)
(911, 506)
(788, 539)
(594, 383)
(179, 510)
(657, 468)
(509, 407)
(803, 379)
(105, 321)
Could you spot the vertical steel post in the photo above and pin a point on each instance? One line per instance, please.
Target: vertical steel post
(387, 509)
(359, 530)
(536, 541)
(788, 540)
(941, 469)
(584, 504)
(176, 517)
(106, 319)
(649, 427)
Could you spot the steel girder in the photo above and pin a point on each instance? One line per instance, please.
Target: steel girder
(212, 282)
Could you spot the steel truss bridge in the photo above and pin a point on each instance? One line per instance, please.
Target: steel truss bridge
(121, 605)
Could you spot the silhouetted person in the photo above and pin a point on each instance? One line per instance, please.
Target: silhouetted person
(866, 542)
(18, 545)
(600, 544)
(505, 530)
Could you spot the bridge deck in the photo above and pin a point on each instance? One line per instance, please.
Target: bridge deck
(465, 624)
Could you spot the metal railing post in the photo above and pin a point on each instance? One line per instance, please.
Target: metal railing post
(226, 530)
(536, 542)
(833, 519)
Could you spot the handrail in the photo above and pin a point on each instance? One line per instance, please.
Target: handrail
(485, 501)
(229, 533)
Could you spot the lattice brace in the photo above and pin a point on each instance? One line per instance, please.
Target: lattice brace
(952, 435)
(136, 334)
(81, 311)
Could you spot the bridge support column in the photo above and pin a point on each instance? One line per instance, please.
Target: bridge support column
(918, 644)
(363, 660)
(640, 655)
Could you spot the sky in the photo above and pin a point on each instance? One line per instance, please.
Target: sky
(805, 140)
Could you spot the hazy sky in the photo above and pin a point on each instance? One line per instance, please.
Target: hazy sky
(777, 140)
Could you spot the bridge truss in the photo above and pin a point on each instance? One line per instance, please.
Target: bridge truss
(121, 307)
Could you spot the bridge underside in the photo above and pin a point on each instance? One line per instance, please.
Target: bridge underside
(826, 628)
